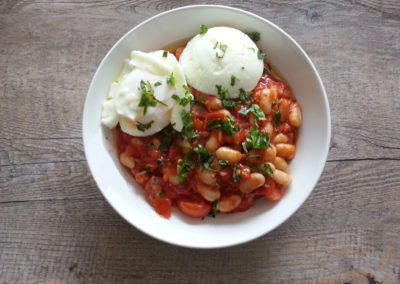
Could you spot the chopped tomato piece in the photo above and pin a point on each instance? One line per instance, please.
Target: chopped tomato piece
(178, 52)
(142, 178)
(272, 191)
(163, 207)
(216, 115)
(194, 209)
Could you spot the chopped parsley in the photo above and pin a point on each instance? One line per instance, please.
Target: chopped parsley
(274, 103)
(227, 126)
(277, 118)
(255, 109)
(265, 170)
(187, 98)
(203, 157)
(147, 99)
(261, 55)
(144, 126)
(203, 29)
(188, 124)
(223, 48)
(215, 209)
(156, 84)
(245, 96)
(242, 68)
(245, 148)
(257, 139)
(236, 177)
(224, 95)
(233, 80)
(184, 168)
(160, 162)
(253, 49)
(223, 163)
(166, 140)
(254, 36)
(146, 170)
(165, 54)
(199, 101)
(171, 80)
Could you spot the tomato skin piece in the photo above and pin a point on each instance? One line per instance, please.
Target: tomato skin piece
(194, 209)
(163, 207)
(178, 52)
(271, 190)
(214, 115)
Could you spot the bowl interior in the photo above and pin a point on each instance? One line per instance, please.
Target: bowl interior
(126, 196)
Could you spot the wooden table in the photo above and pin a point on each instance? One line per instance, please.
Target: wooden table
(55, 226)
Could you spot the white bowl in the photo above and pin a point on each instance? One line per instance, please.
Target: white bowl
(126, 196)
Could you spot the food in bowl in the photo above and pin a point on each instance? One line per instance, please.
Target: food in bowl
(209, 126)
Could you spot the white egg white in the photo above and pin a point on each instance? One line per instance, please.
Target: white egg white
(122, 103)
(206, 64)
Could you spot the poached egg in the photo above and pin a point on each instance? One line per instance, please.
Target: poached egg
(141, 98)
(222, 56)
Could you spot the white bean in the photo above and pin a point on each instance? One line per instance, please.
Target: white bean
(226, 153)
(227, 204)
(206, 176)
(281, 164)
(282, 177)
(127, 160)
(208, 192)
(295, 115)
(256, 180)
(286, 151)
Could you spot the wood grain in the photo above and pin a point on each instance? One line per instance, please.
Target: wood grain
(55, 226)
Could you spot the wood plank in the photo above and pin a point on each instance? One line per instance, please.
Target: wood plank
(346, 230)
(43, 181)
(32, 151)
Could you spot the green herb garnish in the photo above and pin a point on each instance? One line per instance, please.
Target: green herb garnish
(160, 162)
(257, 139)
(144, 126)
(203, 157)
(156, 84)
(253, 49)
(148, 99)
(203, 29)
(146, 170)
(277, 117)
(215, 209)
(165, 54)
(223, 48)
(254, 36)
(255, 109)
(223, 163)
(187, 98)
(261, 55)
(227, 125)
(265, 170)
(184, 167)
(224, 95)
(166, 140)
(245, 96)
(188, 124)
(171, 80)
(233, 80)
(245, 148)
(236, 178)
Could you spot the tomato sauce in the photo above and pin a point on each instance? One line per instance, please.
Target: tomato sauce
(218, 186)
